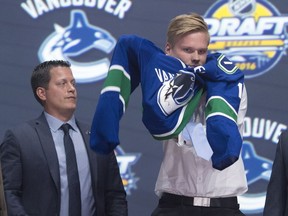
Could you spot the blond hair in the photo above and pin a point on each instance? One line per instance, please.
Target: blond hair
(185, 23)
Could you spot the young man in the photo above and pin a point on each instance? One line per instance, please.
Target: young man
(36, 164)
(175, 86)
(188, 184)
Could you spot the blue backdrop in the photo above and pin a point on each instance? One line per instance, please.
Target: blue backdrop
(252, 33)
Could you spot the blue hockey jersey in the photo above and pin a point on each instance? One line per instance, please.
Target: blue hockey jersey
(170, 93)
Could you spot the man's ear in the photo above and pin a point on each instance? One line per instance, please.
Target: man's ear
(168, 48)
(41, 92)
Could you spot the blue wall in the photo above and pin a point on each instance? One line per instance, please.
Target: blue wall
(254, 35)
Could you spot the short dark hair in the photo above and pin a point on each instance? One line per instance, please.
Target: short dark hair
(41, 75)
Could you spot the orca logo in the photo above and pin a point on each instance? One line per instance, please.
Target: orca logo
(257, 168)
(76, 39)
(176, 92)
(252, 34)
(125, 162)
(263, 133)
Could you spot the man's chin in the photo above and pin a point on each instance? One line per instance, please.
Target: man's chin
(71, 108)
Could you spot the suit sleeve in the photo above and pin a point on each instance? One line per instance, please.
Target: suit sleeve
(114, 192)
(12, 173)
(276, 198)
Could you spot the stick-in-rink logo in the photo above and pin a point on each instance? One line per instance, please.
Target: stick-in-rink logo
(125, 162)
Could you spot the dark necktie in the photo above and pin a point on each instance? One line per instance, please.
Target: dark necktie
(72, 174)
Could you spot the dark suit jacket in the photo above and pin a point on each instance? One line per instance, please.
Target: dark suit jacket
(276, 199)
(3, 208)
(31, 173)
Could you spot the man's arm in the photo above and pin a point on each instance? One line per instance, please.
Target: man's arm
(277, 188)
(12, 173)
(3, 210)
(115, 195)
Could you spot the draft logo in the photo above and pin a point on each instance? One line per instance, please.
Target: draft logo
(76, 39)
(125, 162)
(252, 33)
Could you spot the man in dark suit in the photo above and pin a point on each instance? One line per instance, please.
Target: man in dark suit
(277, 191)
(33, 156)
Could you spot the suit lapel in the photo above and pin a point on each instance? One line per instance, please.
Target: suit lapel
(48, 146)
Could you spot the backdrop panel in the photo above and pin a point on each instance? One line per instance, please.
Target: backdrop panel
(251, 33)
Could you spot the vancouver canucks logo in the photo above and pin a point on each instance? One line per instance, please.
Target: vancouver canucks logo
(78, 38)
(257, 168)
(252, 34)
(176, 92)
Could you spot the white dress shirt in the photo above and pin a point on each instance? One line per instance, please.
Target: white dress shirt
(182, 172)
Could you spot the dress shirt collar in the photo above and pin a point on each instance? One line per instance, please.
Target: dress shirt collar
(55, 123)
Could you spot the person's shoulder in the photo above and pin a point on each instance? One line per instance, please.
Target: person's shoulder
(82, 123)
(284, 134)
(19, 130)
(83, 126)
(22, 125)
(30, 123)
